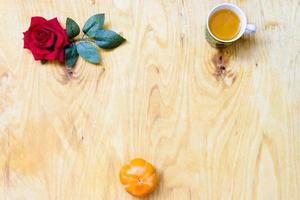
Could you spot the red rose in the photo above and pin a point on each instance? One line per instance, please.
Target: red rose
(46, 39)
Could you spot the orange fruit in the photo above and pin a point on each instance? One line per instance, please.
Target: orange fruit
(138, 177)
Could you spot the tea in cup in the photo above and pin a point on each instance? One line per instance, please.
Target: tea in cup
(226, 23)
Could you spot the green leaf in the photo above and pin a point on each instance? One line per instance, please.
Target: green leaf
(88, 51)
(108, 39)
(71, 55)
(93, 30)
(95, 19)
(72, 28)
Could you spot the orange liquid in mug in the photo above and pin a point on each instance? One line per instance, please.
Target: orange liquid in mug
(224, 24)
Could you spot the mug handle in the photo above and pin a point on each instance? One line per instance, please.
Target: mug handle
(250, 28)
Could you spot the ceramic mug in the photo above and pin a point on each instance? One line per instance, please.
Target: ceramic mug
(244, 27)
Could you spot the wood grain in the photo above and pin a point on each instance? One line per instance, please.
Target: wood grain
(212, 133)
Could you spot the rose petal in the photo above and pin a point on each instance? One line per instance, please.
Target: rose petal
(61, 56)
(59, 41)
(26, 39)
(40, 36)
(53, 55)
(67, 41)
(37, 56)
(38, 51)
(55, 24)
(37, 20)
(51, 41)
(61, 36)
(51, 28)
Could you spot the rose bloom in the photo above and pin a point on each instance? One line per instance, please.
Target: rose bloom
(46, 39)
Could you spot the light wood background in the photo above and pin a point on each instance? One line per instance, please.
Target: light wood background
(211, 133)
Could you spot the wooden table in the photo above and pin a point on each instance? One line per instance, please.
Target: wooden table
(212, 133)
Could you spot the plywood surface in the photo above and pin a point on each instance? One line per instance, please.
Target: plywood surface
(212, 133)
